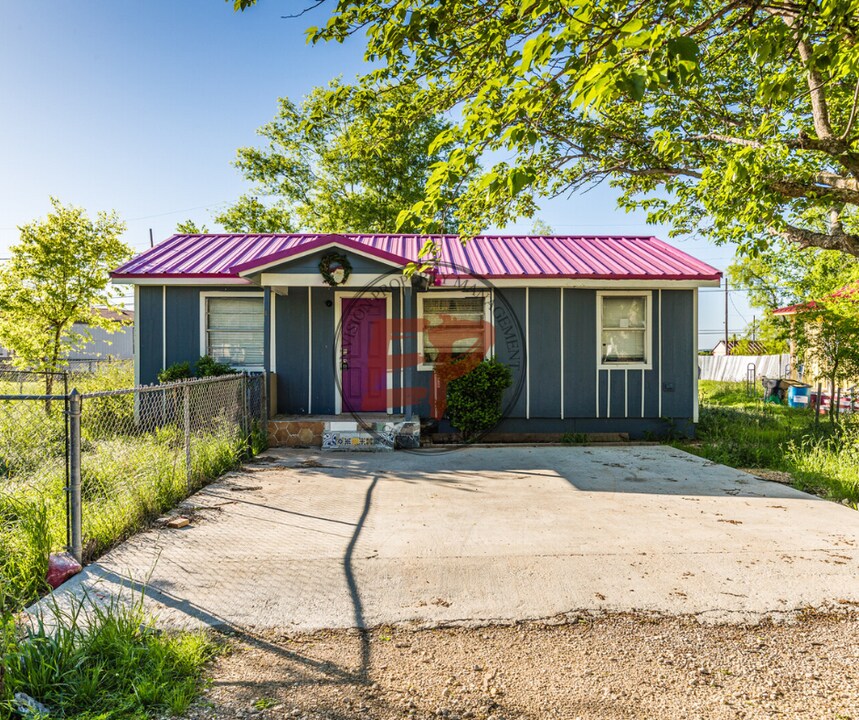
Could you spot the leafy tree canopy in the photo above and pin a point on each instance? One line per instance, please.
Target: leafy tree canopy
(251, 215)
(735, 118)
(189, 227)
(333, 168)
(56, 276)
(786, 275)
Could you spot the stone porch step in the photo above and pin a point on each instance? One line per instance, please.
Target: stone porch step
(344, 432)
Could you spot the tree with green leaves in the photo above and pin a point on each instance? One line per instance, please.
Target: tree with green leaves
(57, 276)
(785, 274)
(735, 119)
(332, 168)
(827, 337)
(251, 215)
(189, 227)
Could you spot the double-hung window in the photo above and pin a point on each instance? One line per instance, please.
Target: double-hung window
(234, 330)
(451, 326)
(623, 320)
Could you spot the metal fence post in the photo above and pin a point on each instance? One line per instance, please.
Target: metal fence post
(186, 401)
(264, 401)
(246, 415)
(75, 515)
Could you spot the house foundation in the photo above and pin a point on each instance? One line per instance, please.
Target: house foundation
(345, 432)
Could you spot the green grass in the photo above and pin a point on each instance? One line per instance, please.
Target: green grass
(128, 477)
(101, 663)
(742, 431)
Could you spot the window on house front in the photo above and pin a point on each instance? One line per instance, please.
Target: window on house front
(452, 327)
(234, 331)
(624, 329)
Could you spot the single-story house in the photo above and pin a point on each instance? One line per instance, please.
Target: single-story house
(600, 333)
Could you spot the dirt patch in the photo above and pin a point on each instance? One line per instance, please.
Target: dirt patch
(613, 667)
(778, 476)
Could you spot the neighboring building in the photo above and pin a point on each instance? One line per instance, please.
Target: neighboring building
(754, 347)
(600, 332)
(117, 345)
(807, 369)
(104, 345)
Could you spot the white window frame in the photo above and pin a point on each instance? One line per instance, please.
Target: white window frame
(439, 294)
(648, 330)
(204, 316)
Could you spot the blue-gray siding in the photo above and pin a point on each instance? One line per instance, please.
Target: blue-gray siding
(149, 317)
(309, 265)
(533, 349)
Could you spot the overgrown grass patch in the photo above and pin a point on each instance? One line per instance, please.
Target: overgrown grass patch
(99, 663)
(133, 468)
(742, 431)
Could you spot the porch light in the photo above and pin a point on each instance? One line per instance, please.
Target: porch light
(420, 282)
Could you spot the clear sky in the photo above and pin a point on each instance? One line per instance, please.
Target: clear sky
(139, 107)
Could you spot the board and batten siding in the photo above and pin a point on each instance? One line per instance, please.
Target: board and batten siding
(553, 349)
(168, 320)
(665, 390)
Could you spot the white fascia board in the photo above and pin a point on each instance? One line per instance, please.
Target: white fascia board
(591, 283)
(359, 281)
(167, 280)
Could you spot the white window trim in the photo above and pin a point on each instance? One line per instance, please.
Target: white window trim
(487, 316)
(204, 331)
(648, 330)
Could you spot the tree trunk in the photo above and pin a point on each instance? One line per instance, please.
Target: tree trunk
(49, 388)
(832, 408)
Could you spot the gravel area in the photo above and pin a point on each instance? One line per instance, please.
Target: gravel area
(617, 666)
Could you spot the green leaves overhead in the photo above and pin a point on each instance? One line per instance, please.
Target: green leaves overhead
(733, 119)
(345, 159)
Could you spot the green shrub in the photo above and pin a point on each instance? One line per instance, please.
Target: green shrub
(207, 366)
(474, 399)
(175, 372)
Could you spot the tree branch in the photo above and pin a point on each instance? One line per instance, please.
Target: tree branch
(835, 240)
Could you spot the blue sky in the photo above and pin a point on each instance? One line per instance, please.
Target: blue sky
(139, 107)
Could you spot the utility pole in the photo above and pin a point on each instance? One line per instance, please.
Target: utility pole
(753, 328)
(151, 241)
(726, 317)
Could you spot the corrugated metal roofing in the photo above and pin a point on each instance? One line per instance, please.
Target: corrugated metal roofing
(850, 291)
(490, 256)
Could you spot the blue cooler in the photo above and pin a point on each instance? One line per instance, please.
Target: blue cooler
(797, 396)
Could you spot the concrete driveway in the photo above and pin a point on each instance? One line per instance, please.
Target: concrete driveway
(302, 540)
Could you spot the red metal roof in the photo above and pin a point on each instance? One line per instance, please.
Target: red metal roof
(850, 292)
(489, 256)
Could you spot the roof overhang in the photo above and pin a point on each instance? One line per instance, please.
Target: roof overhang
(579, 281)
(179, 279)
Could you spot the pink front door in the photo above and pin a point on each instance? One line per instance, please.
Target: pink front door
(364, 361)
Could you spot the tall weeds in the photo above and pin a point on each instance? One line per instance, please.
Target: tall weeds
(740, 431)
(100, 661)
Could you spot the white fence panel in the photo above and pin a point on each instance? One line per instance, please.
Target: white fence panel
(733, 368)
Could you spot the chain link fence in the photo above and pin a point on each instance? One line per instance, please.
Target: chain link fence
(87, 470)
